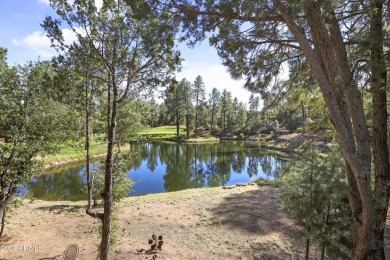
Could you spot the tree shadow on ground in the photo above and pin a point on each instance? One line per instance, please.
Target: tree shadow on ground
(4, 239)
(258, 214)
(51, 258)
(58, 209)
(255, 211)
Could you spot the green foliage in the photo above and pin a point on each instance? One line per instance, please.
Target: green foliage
(178, 100)
(199, 91)
(254, 115)
(114, 229)
(122, 184)
(132, 117)
(31, 122)
(214, 99)
(313, 193)
(288, 118)
(226, 104)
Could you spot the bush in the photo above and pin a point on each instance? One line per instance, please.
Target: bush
(121, 183)
(314, 196)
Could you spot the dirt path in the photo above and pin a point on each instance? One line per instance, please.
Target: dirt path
(239, 223)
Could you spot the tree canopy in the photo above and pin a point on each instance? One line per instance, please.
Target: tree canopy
(342, 43)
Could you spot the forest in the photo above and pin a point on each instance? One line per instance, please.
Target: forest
(117, 81)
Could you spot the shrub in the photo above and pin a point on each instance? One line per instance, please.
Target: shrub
(121, 183)
(314, 196)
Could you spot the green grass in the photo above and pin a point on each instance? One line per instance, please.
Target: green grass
(97, 146)
(163, 131)
(69, 153)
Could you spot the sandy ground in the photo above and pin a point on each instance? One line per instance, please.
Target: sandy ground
(240, 223)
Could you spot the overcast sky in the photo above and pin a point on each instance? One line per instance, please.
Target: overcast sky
(22, 35)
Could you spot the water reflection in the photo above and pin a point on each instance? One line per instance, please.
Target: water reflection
(160, 167)
(60, 184)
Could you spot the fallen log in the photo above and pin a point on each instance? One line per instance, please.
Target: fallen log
(237, 185)
(229, 187)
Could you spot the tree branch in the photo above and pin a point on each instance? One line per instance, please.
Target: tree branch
(232, 16)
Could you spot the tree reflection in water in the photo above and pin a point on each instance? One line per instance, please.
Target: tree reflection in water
(159, 167)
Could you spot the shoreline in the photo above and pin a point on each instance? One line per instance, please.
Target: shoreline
(52, 165)
(263, 144)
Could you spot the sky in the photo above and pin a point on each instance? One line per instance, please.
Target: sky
(25, 39)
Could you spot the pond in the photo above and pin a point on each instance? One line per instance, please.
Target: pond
(164, 167)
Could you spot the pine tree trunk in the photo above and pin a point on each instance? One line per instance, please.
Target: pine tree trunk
(3, 206)
(379, 121)
(188, 126)
(177, 124)
(223, 121)
(3, 215)
(322, 252)
(329, 63)
(212, 119)
(307, 249)
(196, 123)
(107, 198)
(87, 148)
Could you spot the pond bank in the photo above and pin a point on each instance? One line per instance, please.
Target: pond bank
(213, 223)
(82, 158)
(282, 148)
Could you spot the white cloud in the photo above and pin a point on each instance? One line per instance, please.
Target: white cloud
(39, 43)
(203, 60)
(46, 2)
(70, 36)
(99, 3)
(214, 76)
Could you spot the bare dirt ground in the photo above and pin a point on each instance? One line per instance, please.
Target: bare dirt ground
(240, 223)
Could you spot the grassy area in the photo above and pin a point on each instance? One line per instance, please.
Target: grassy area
(69, 153)
(163, 132)
(202, 140)
(97, 147)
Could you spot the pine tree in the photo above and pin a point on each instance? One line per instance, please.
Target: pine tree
(199, 96)
(132, 45)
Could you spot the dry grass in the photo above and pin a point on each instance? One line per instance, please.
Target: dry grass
(207, 223)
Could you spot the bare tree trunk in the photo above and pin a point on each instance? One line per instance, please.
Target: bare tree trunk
(3, 206)
(177, 124)
(196, 122)
(322, 252)
(379, 121)
(90, 176)
(347, 118)
(188, 126)
(223, 121)
(3, 215)
(107, 196)
(212, 119)
(323, 246)
(303, 112)
(87, 148)
(308, 244)
(307, 249)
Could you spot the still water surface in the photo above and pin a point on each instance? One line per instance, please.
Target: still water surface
(165, 167)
